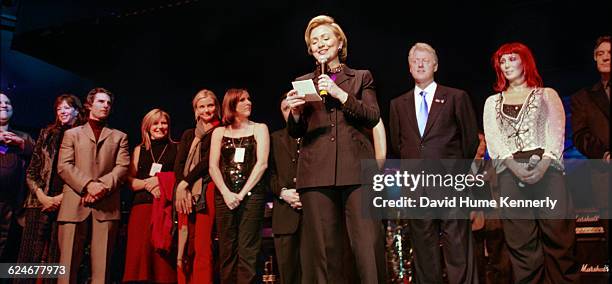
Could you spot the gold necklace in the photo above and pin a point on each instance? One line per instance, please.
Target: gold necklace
(336, 69)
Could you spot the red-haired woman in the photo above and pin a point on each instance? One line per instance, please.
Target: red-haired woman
(39, 241)
(195, 193)
(525, 123)
(238, 160)
(156, 153)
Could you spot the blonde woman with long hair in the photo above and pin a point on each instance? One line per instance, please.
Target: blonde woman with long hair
(195, 193)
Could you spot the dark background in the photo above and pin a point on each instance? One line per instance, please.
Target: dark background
(160, 53)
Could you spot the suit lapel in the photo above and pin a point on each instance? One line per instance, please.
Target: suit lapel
(598, 95)
(410, 113)
(436, 106)
(343, 76)
(104, 134)
(89, 132)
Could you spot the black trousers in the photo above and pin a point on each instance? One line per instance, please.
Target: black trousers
(541, 248)
(239, 238)
(287, 247)
(330, 214)
(455, 235)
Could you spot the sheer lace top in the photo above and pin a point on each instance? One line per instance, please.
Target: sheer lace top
(539, 123)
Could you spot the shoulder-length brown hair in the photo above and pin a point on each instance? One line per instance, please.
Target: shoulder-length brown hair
(148, 120)
(72, 101)
(230, 101)
(532, 77)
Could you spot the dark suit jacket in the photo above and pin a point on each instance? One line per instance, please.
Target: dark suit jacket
(282, 169)
(335, 136)
(591, 121)
(451, 131)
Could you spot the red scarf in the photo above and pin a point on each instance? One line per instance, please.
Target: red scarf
(161, 217)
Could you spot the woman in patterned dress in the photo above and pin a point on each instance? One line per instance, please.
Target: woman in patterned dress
(39, 239)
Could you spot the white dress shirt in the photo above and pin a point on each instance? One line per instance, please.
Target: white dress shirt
(430, 90)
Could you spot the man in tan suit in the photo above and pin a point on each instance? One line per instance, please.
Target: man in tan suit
(93, 161)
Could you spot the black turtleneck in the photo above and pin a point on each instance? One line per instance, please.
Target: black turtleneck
(164, 152)
(96, 126)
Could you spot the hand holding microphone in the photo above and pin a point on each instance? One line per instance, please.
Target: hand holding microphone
(322, 61)
(533, 162)
(327, 86)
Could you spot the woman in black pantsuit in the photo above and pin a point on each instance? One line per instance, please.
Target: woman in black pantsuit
(335, 139)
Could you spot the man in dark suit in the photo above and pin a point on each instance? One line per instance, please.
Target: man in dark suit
(286, 214)
(435, 122)
(591, 109)
(93, 161)
(591, 125)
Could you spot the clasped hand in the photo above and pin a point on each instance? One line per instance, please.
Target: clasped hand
(530, 176)
(50, 203)
(11, 138)
(152, 186)
(292, 197)
(232, 200)
(95, 191)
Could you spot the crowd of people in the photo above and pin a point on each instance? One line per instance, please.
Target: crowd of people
(217, 176)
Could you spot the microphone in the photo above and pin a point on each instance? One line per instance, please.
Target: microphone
(533, 162)
(323, 60)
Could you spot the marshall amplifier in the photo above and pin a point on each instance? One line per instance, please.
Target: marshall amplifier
(592, 247)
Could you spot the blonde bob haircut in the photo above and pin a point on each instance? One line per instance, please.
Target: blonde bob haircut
(202, 94)
(328, 21)
(148, 120)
